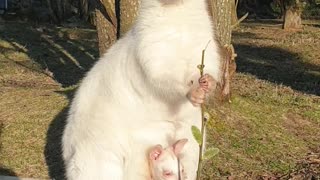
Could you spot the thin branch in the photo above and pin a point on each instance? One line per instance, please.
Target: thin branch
(203, 117)
(240, 20)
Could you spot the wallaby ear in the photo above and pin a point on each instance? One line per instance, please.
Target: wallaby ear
(178, 146)
(155, 152)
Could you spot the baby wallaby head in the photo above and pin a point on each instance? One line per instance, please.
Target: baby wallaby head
(164, 162)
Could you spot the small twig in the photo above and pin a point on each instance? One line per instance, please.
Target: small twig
(237, 2)
(179, 170)
(239, 21)
(201, 66)
(203, 118)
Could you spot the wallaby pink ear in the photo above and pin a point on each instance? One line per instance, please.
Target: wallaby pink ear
(178, 146)
(155, 152)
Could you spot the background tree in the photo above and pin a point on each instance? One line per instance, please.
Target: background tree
(234, 18)
(292, 16)
(128, 13)
(113, 19)
(84, 9)
(107, 24)
(221, 11)
(59, 10)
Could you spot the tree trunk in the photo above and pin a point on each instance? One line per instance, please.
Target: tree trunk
(128, 14)
(222, 18)
(84, 9)
(59, 10)
(25, 8)
(282, 8)
(234, 16)
(113, 20)
(106, 22)
(221, 13)
(292, 17)
(52, 13)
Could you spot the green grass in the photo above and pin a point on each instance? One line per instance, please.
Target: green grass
(272, 122)
(268, 126)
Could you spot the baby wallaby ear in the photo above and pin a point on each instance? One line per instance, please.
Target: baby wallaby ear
(178, 146)
(155, 152)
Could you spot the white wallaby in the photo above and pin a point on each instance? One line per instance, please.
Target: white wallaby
(164, 162)
(144, 90)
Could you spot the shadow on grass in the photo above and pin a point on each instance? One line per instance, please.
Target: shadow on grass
(279, 66)
(65, 54)
(6, 172)
(263, 22)
(247, 35)
(53, 150)
(314, 25)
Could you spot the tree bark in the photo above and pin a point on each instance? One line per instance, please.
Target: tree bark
(59, 10)
(52, 13)
(221, 13)
(84, 9)
(292, 17)
(113, 21)
(222, 18)
(128, 14)
(282, 8)
(106, 22)
(234, 16)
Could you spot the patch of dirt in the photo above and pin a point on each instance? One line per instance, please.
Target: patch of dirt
(295, 121)
(301, 127)
(306, 169)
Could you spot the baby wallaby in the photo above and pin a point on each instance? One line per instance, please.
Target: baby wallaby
(164, 162)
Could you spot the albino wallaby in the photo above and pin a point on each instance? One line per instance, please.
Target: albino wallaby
(145, 89)
(164, 162)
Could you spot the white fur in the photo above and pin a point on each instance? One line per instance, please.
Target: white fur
(135, 95)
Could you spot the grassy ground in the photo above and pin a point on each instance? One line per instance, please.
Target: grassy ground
(36, 64)
(272, 123)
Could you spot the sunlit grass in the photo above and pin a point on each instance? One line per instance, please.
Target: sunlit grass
(266, 129)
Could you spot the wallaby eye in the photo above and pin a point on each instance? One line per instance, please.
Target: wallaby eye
(167, 173)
